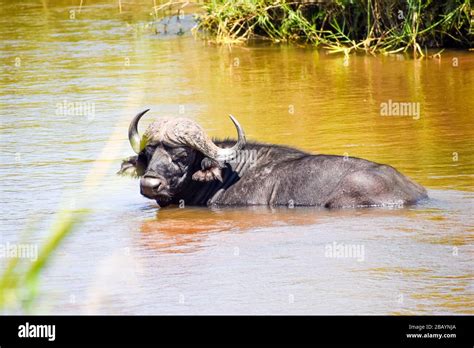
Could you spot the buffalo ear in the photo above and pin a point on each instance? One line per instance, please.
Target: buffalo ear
(211, 170)
(133, 166)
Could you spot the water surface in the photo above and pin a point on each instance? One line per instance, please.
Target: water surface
(128, 257)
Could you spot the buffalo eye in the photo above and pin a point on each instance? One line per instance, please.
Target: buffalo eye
(180, 155)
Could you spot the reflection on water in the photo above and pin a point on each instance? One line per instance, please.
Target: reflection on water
(128, 257)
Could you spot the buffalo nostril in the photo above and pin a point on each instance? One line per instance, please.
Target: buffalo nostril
(155, 184)
(150, 184)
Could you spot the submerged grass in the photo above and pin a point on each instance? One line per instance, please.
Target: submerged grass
(387, 26)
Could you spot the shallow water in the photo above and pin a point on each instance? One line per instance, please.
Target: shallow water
(129, 257)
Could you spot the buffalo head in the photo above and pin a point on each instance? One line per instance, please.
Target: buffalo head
(171, 153)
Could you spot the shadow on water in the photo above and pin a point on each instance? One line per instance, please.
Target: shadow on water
(185, 229)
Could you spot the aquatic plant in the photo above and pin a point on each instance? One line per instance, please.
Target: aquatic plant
(341, 25)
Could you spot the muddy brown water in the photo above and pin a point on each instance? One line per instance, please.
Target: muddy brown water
(128, 257)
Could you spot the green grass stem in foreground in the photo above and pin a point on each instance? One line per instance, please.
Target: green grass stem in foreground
(19, 281)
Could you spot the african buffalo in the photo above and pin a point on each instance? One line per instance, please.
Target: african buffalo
(177, 162)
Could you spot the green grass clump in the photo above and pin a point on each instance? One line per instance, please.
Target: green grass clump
(342, 25)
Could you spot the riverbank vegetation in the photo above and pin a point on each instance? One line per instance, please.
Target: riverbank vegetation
(387, 26)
